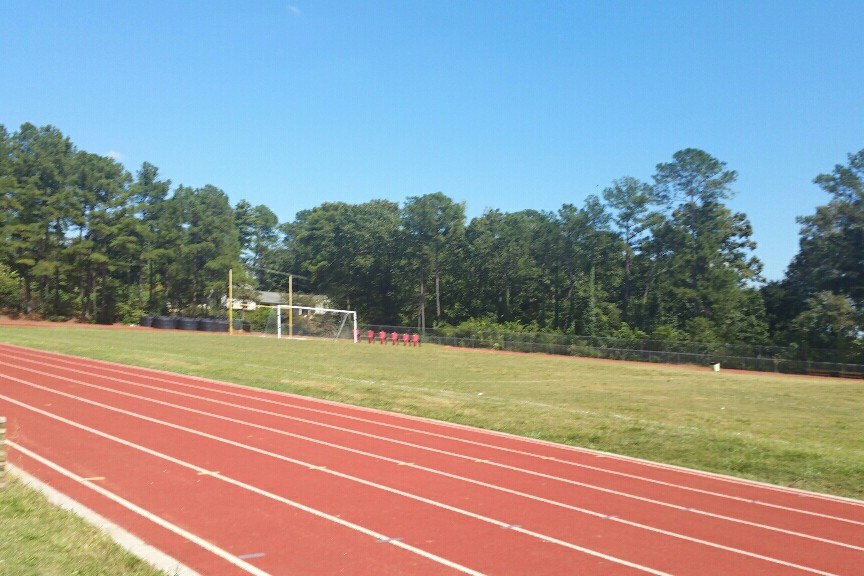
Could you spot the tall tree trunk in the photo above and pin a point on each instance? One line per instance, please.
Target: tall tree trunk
(591, 304)
(421, 316)
(28, 294)
(626, 288)
(437, 291)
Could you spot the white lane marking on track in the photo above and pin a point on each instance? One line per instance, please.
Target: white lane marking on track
(212, 548)
(305, 464)
(145, 372)
(455, 455)
(730, 479)
(440, 504)
(238, 483)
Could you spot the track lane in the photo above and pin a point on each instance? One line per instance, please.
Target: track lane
(268, 399)
(161, 533)
(751, 512)
(469, 540)
(219, 509)
(506, 446)
(509, 448)
(745, 541)
(719, 563)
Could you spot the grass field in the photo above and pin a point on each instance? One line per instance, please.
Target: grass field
(795, 431)
(38, 539)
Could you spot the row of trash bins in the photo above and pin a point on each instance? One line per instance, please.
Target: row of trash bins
(184, 323)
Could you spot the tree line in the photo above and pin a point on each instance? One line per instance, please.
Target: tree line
(83, 238)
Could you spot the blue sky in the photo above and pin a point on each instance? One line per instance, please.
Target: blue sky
(507, 105)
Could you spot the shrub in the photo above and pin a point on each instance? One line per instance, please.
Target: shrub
(10, 289)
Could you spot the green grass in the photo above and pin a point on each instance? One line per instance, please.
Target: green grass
(793, 431)
(38, 539)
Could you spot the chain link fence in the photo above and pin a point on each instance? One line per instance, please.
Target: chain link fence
(787, 360)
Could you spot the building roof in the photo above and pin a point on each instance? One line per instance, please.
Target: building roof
(271, 298)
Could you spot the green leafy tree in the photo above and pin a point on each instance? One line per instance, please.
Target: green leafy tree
(509, 265)
(593, 256)
(324, 249)
(7, 184)
(352, 253)
(382, 288)
(10, 289)
(208, 247)
(430, 222)
(9, 280)
(155, 234)
(258, 230)
(38, 204)
(831, 321)
(106, 247)
(488, 269)
(705, 248)
(831, 252)
(631, 201)
(822, 295)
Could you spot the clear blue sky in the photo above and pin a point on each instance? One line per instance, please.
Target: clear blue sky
(499, 104)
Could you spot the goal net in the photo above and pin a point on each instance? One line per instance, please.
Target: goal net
(313, 322)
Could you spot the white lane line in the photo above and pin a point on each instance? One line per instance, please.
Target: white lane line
(455, 455)
(294, 461)
(234, 482)
(212, 548)
(246, 393)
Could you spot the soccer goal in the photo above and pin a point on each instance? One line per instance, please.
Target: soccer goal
(313, 322)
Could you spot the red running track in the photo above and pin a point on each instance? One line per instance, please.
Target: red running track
(235, 480)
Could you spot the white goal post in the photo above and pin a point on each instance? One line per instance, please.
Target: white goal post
(314, 316)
